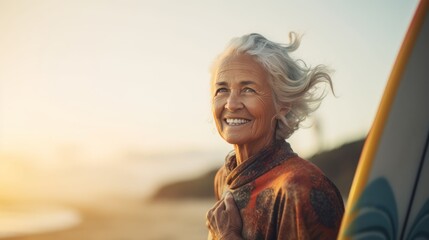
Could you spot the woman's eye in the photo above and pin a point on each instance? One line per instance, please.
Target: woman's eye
(248, 90)
(221, 90)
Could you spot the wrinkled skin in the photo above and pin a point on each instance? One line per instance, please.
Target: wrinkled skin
(278, 194)
(245, 116)
(224, 221)
(241, 92)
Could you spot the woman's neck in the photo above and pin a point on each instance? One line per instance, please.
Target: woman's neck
(246, 151)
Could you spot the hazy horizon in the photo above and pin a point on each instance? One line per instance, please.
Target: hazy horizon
(85, 86)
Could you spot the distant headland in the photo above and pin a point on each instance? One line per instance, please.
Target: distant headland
(339, 165)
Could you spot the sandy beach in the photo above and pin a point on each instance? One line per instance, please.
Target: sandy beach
(134, 219)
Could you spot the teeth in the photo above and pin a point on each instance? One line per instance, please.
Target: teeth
(236, 121)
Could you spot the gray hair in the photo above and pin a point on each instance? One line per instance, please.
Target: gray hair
(294, 84)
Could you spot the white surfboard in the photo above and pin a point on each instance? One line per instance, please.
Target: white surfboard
(389, 198)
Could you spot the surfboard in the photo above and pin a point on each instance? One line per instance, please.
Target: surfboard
(389, 198)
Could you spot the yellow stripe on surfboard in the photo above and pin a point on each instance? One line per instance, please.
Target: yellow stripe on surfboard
(372, 142)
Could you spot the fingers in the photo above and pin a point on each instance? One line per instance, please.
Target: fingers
(209, 216)
(220, 202)
(214, 213)
(230, 203)
(209, 225)
(224, 218)
(225, 204)
(209, 212)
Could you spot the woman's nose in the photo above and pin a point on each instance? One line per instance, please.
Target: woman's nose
(233, 103)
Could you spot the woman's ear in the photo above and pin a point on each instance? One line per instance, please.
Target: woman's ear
(284, 110)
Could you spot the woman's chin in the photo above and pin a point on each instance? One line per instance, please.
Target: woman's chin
(235, 140)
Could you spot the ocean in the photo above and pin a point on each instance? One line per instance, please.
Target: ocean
(43, 198)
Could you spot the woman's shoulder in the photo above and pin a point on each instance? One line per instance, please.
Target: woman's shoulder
(316, 192)
(297, 171)
(298, 168)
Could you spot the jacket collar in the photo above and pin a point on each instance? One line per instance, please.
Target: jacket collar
(256, 165)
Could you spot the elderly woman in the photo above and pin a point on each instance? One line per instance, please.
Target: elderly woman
(265, 190)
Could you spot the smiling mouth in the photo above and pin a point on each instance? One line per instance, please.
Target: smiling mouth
(236, 121)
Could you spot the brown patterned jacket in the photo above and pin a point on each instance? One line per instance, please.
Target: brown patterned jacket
(281, 196)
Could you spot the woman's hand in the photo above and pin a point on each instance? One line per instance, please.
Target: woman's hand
(224, 220)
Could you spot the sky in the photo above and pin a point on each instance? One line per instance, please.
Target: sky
(100, 78)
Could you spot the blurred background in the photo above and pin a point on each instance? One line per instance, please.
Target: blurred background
(105, 123)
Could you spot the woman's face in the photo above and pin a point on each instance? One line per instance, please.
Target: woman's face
(242, 102)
